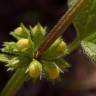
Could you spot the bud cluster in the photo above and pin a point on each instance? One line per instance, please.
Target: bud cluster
(22, 53)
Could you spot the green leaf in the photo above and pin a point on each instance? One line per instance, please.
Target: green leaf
(91, 38)
(89, 49)
(85, 22)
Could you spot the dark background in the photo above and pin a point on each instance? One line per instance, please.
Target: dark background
(47, 12)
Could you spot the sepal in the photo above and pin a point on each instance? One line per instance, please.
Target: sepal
(38, 34)
(57, 50)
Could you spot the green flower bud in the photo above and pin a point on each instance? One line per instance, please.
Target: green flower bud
(20, 32)
(52, 70)
(53, 73)
(38, 34)
(61, 47)
(23, 44)
(38, 28)
(35, 69)
(57, 50)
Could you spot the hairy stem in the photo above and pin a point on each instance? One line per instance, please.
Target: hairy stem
(60, 27)
(14, 83)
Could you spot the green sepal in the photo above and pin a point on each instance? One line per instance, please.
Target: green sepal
(12, 64)
(5, 58)
(21, 32)
(51, 70)
(62, 64)
(57, 50)
(9, 47)
(9, 60)
(38, 35)
(17, 62)
(48, 64)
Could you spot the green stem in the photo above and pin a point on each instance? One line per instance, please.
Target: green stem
(60, 27)
(74, 45)
(14, 83)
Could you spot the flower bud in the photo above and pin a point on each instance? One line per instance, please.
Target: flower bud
(52, 70)
(23, 44)
(53, 73)
(62, 48)
(18, 30)
(38, 28)
(38, 34)
(35, 69)
(57, 50)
